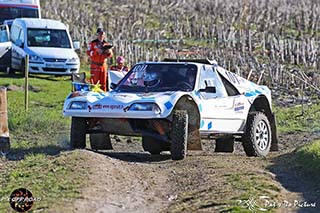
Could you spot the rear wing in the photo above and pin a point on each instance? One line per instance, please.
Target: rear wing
(201, 61)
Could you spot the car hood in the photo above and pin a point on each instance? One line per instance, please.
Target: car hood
(113, 104)
(50, 52)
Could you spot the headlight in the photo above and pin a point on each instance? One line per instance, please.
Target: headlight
(35, 58)
(145, 107)
(73, 60)
(78, 105)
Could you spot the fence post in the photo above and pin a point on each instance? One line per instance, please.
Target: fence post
(26, 83)
(4, 130)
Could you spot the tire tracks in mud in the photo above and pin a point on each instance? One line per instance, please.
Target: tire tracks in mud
(129, 180)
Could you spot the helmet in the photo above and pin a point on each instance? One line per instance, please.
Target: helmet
(151, 79)
(120, 60)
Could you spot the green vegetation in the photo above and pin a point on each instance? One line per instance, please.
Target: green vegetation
(37, 138)
(308, 158)
(293, 119)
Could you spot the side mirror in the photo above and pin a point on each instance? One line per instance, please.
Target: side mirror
(113, 85)
(19, 43)
(209, 89)
(76, 45)
(241, 91)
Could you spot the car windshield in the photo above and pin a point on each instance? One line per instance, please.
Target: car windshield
(159, 78)
(48, 38)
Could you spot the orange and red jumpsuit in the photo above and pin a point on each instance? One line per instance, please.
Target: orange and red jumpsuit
(98, 67)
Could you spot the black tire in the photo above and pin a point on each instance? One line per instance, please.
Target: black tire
(78, 133)
(256, 140)
(100, 141)
(152, 145)
(179, 135)
(224, 145)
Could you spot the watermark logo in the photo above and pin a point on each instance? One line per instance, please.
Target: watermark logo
(265, 203)
(21, 200)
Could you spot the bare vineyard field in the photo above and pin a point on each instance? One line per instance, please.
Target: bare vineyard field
(275, 42)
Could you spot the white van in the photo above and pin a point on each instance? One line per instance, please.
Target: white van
(48, 44)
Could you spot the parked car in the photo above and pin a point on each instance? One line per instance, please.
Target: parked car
(5, 49)
(172, 105)
(48, 44)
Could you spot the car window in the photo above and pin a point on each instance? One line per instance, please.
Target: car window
(209, 77)
(3, 34)
(231, 90)
(14, 33)
(159, 78)
(48, 38)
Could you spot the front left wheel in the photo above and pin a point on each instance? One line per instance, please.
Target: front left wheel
(257, 137)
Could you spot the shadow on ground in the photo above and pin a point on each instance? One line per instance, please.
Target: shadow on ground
(134, 157)
(295, 179)
(17, 154)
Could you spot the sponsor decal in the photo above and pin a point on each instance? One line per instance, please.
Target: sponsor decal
(112, 107)
(237, 109)
(168, 105)
(210, 125)
(97, 106)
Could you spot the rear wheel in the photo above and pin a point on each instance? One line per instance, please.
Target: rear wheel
(257, 137)
(78, 133)
(100, 141)
(179, 135)
(152, 145)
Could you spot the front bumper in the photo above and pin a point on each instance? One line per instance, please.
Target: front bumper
(53, 68)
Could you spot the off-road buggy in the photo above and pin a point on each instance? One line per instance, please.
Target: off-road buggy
(173, 105)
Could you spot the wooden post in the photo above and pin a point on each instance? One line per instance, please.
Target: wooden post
(4, 130)
(26, 83)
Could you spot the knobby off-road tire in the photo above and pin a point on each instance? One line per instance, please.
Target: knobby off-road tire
(257, 137)
(224, 145)
(152, 145)
(179, 135)
(78, 133)
(100, 141)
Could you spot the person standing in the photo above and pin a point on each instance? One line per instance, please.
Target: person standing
(99, 51)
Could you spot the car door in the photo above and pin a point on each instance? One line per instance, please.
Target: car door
(220, 111)
(18, 54)
(5, 48)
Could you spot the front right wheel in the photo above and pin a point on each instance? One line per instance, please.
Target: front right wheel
(179, 135)
(257, 137)
(78, 133)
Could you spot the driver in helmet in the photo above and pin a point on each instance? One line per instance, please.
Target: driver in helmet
(151, 79)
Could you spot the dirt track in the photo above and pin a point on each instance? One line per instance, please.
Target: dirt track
(130, 180)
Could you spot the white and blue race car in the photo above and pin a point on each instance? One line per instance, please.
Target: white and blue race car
(173, 105)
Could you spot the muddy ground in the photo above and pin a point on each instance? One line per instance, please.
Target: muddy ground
(130, 180)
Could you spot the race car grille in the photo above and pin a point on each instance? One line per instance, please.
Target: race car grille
(55, 59)
(54, 69)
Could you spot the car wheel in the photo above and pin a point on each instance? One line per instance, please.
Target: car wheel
(100, 141)
(224, 145)
(257, 137)
(78, 133)
(152, 145)
(179, 135)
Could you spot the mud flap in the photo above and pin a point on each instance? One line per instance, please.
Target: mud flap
(194, 140)
(100, 141)
(274, 142)
(4, 145)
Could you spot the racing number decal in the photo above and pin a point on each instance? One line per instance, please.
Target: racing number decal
(232, 77)
(140, 68)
